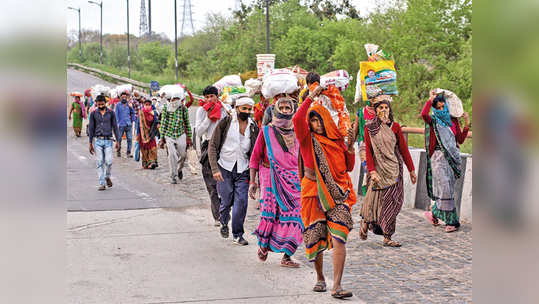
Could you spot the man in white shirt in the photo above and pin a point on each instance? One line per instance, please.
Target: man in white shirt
(211, 111)
(229, 151)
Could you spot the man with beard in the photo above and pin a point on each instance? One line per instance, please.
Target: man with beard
(229, 151)
(102, 124)
(175, 132)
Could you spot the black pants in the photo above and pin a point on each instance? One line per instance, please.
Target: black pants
(211, 186)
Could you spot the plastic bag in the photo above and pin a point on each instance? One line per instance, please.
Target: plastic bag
(99, 89)
(253, 86)
(453, 102)
(278, 82)
(378, 77)
(125, 88)
(339, 78)
(358, 95)
(228, 81)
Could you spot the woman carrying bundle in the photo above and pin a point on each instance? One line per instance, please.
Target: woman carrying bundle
(146, 132)
(280, 225)
(327, 193)
(385, 149)
(442, 137)
(78, 112)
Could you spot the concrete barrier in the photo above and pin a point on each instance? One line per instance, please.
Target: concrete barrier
(415, 196)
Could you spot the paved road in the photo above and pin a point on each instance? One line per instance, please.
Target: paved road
(174, 254)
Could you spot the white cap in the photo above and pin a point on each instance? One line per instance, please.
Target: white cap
(245, 101)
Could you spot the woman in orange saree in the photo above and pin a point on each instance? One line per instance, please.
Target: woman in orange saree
(327, 193)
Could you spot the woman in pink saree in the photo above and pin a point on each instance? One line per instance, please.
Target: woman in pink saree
(280, 228)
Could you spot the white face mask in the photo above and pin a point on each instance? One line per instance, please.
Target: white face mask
(173, 105)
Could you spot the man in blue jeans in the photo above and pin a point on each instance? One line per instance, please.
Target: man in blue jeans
(102, 124)
(229, 151)
(125, 116)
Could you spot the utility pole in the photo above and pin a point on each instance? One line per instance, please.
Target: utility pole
(267, 28)
(128, 52)
(150, 20)
(80, 43)
(100, 31)
(175, 40)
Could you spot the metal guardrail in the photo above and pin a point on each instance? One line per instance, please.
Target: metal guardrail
(411, 130)
(119, 79)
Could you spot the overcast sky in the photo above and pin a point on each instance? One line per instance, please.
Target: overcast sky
(115, 14)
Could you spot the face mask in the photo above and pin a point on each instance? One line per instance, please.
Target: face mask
(101, 107)
(243, 116)
(147, 108)
(124, 100)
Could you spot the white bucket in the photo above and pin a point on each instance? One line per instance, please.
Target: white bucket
(264, 64)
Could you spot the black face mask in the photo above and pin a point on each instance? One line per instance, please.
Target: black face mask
(124, 100)
(102, 107)
(243, 116)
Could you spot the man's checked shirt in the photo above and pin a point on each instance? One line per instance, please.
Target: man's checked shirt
(174, 124)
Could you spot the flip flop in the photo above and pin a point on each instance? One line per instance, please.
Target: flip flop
(289, 263)
(391, 243)
(363, 233)
(449, 229)
(320, 286)
(431, 219)
(341, 294)
(262, 256)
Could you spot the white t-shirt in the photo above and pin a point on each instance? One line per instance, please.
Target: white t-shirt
(236, 147)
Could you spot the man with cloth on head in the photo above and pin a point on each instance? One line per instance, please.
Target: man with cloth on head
(175, 132)
(229, 152)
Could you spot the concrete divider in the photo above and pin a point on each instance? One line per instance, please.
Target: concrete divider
(415, 196)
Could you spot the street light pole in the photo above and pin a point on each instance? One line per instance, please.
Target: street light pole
(128, 52)
(100, 31)
(267, 28)
(175, 40)
(80, 44)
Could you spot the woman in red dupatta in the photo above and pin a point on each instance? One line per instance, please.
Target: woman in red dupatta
(146, 132)
(327, 194)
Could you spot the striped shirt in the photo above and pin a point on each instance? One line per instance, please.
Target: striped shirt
(174, 124)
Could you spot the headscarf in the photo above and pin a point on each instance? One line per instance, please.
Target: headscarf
(282, 125)
(441, 116)
(334, 185)
(82, 107)
(380, 101)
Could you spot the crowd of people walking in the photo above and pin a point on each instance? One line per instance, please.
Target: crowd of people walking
(294, 157)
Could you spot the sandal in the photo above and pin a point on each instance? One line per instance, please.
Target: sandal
(431, 219)
(289, 263)
(391, 243)
(262, 255)
(363, 233)
(449, 229)
(341, 294)
(320, 286)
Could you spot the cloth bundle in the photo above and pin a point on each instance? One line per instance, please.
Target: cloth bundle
(340, 79)
(278, 82)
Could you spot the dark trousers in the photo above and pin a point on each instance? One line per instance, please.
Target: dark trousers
(211, 186)
(233, 192)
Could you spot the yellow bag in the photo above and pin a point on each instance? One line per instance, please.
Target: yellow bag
(378, 77)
